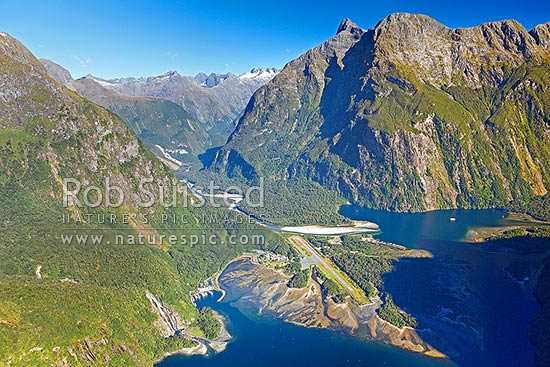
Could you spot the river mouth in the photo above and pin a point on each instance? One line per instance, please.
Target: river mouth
(232, 202)
(476, 311)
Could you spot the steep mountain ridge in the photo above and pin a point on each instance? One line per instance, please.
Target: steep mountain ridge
(77, 285)
(443, 56)
(409, 115)
(57, 72)
(541, 33)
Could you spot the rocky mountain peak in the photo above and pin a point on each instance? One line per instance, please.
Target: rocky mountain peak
(347, 26)
(57, 72)
(214, 79)
(405, 25)
(22, 79)
(541, 34)
(201, 77)
(92, 77)
(408, 18)
(260, 75)
(444, 56)
(263, 70)
(509, 36)
(170, 74)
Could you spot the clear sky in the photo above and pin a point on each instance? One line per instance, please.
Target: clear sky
(141, 38)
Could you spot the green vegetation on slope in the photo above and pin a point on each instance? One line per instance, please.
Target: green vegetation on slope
(86, 302)
(84, 293)
(297, 202)
(300, 279)
(155, 121)
(392, 314)
(207, 323)
(538, 207)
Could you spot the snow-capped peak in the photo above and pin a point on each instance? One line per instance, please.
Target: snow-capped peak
(104, 83)
(260, 74)
(167, 75)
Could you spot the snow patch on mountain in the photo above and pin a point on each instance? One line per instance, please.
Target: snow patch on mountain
(168, 156)
(260, 74)
(177, 151)
(105, 83)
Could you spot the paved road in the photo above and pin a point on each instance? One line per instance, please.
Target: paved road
(317, 259)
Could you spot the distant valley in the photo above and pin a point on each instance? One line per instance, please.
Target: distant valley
(183, 115)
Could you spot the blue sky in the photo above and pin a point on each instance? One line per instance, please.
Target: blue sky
(141, 38)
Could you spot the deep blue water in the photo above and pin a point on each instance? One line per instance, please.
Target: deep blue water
(265, 342)
(462, 282)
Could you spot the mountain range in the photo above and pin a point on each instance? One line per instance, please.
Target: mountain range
(409, 115)
(178, 117)
(215, 99)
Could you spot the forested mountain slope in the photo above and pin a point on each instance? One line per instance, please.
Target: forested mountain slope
(84, 302)
(408, 116)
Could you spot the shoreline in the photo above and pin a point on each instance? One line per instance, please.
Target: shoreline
(205, 347)
(301, 307)
(356, 228)
(512, 222)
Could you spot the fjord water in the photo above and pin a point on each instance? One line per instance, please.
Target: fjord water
(488, 313)
(485, 313)
(265, 342)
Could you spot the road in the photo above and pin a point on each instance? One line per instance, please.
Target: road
(319, 260)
